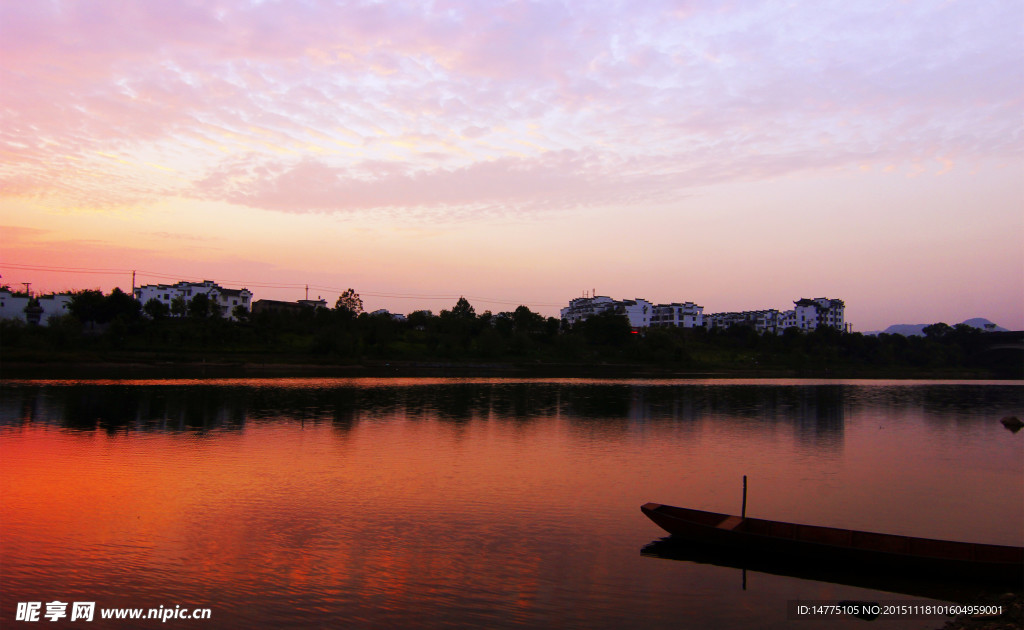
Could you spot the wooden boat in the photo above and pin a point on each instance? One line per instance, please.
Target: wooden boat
(842, 547)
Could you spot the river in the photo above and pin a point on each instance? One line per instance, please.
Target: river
(492, 503)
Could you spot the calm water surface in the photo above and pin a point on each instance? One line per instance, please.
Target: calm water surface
(492, 503)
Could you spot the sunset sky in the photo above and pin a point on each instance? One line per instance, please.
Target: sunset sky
(741, 155)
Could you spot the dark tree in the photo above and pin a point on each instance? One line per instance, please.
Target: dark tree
(420, 320)
(463, 309)
(87, 305)
(605, 329)
(937, 331)
(179, 307)
(350, 301)
(91, 305)
(199, 306)
(156, 309)
(526, 321)
(120, 304)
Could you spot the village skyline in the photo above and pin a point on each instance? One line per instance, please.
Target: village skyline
(808, 314)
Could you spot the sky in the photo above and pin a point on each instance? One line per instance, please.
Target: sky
(740, 155)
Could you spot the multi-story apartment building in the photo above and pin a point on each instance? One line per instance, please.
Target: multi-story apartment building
(224, 300)
(17, 307)
(813, 313)
(640, 312)
(808, 314)
(678, 314)
(583, 307)
(764, 321)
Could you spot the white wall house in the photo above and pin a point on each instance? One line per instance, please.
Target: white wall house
(808, 315)
(679, 314)
(812, 313)
(581, 308)
(224, 299)
(398, 317)
(641, 313)
(726, 319)
(763, 321)
(13, 306)
(638, 311)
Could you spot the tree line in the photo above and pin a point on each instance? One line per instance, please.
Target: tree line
(345, 334)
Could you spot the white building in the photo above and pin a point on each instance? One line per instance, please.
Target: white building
(224, 300)
(763, 321)
(810, 314)
(13, 306)
(679, 314)
(724, 320)
(583, 307)
(398, 317)
(640, 312)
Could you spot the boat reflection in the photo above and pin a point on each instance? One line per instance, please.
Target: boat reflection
(924, 586)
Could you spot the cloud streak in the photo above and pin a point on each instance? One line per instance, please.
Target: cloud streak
(455, 106)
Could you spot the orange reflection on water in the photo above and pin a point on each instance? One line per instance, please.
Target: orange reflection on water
(378, 510)
(390, 508)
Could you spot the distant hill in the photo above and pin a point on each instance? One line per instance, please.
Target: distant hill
(984, 324)
(917, 330)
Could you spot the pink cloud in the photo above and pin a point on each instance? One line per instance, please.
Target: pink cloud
(662, 84)
(559, 180)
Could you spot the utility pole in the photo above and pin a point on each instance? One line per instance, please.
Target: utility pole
(307, 292)
(133, 283)
(28, 286)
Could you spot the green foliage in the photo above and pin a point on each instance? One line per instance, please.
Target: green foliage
(605, 329)
(349, 301)
(179, 307)
(120, 305)
(156, 309)
(91, 306)
(199, 306)
(87, 305)
(463, 309)
(100, 323)
(936, 331)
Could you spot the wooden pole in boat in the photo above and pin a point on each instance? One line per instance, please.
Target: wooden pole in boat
(743, 510)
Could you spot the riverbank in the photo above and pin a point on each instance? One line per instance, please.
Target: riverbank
(331, 345)
(125, 366)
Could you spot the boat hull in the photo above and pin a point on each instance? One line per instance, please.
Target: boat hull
(843, 548)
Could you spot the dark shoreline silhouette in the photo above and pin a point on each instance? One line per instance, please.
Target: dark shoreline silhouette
(115, 335)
